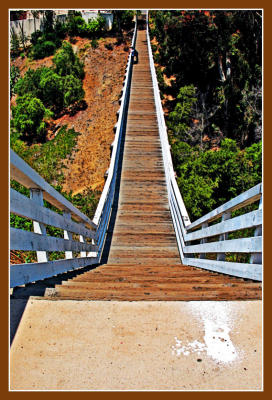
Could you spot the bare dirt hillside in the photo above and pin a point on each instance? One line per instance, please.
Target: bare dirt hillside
(104, 74)
(105, 71)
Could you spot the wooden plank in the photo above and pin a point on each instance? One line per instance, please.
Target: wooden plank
(244, 245)
(28, 241)
(21, 274)
(248, 197)
(250, 271)
(248, 220)
(24, 174)
(25, 207)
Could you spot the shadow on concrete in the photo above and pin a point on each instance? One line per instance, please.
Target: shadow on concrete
(20, 295)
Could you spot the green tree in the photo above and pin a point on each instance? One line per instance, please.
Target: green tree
(14, 76)
(67, 63)
(14, 44)
(122, 19)
(219, 53)
(30, 83)
(208, 179)
(180, 119)
(72, 90)
(29, 117)
(51, 85)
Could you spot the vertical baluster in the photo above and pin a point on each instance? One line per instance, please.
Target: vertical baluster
(223, 236)
(203, 226)
(37, 196)
(82, 240)
(256, 258)
(68, 235)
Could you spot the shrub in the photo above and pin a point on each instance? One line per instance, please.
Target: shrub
(44, 49)
(94, 43)
(95, 26)
(51, 85)
(67, 63)
(29, 116)
(72, 90)
(14, 76)
(30, 83)
(35, 36)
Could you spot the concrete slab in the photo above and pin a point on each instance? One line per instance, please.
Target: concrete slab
(88, 345)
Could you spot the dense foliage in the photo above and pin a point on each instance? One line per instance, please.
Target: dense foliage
(45, 91)
(220, 54)
(209, 67)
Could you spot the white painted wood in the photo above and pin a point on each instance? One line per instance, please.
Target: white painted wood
(256, 258)
(37, 197)
(204, 240)
(103, 211)
(20, 274)
(116, 145)
(178, 210)
(25, 207)
(24, 174)
(249, 271)
(248, 197)
(249, 220)
(24, 240)
(67, 235)
(223, 236)
(244, 245)
(82, 240)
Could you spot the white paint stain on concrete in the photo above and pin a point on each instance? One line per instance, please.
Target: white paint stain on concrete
(188, 348)
(218, 320)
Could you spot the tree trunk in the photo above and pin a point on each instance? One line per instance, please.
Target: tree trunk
(220, 69)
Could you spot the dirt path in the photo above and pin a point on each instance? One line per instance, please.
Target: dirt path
(102, 84)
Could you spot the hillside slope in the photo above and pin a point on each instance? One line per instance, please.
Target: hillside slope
(104, 73)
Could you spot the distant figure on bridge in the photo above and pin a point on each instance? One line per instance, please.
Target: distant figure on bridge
(134, 53)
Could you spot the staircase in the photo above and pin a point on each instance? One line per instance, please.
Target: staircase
(143, 261)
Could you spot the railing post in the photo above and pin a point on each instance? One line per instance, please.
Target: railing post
(256, 258)
(223, 236)
(82, 240)
(37, 196)
(203, 226)
(68, 235)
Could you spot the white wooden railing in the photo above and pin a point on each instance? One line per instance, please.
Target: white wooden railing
(178, 210)
(103, 211)
(72, 221)
(90, 234)
(213, 239)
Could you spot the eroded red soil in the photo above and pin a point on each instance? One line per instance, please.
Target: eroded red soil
(104, 74)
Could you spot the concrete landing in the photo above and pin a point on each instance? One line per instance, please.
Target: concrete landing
(101, 345)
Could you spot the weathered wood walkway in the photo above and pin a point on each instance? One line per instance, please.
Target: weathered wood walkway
(143, 261)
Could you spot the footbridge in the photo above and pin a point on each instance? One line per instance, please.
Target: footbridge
(140, 244)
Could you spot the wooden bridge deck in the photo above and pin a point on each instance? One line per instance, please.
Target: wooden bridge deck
(144, 262)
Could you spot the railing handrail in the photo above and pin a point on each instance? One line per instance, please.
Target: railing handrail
(114, 155)
(103, 211)
(250, 196)
(28, 177)
(177, 207)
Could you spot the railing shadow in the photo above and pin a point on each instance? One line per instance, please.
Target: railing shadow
(110, 229)
(20, 295)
